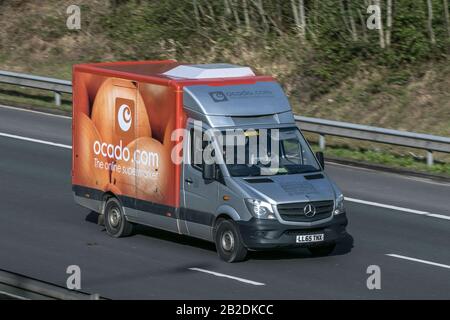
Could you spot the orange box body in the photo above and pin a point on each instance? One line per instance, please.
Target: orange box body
(124, 114)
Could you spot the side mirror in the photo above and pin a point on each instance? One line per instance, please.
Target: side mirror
(320, 157)
(209, 172)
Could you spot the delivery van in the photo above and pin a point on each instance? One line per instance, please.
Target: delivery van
(210, 151)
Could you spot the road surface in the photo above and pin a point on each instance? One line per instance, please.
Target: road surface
(401, 224)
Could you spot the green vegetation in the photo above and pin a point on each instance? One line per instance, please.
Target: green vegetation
(330, 63)
(38, 99)
(385, 158)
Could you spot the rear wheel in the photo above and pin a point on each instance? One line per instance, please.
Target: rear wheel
(323, 250)
(115, 221)
(229, 243)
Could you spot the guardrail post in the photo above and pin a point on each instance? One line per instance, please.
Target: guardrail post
(57, 98)
(322, 142)
(94, 296)
(430, 160)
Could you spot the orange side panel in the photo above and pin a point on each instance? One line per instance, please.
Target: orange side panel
(124, 118)
(122, 128)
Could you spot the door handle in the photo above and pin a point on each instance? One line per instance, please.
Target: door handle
(188, 180)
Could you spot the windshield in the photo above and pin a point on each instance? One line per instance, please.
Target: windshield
(267, 152)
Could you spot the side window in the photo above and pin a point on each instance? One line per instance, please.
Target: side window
(197, 147)
(292, 150)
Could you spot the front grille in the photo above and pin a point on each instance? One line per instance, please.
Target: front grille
(294, 211)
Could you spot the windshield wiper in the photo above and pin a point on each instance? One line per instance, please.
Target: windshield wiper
(296, 170)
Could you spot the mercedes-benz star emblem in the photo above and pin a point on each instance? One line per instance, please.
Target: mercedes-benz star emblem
(309, 210)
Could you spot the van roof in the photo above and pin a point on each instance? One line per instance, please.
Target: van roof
(171, 72)
(208, 71)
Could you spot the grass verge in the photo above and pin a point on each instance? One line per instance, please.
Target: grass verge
(387, 159)
(33, 98)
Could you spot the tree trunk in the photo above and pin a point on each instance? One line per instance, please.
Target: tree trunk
(348, 20)
(388, 23)
(301, 11)
(201, 11)
(234, 9)
(211, 11)
(447, 19)
(246, 15)
(295, 13)
(363, 25)
(352, 26)
(196, 13)
(226, 6)
(430, 22)
(259, 5)
(226, 14)
(316, 12)
(380, 30)
(266, 17)
(279, 13)
(298, 24)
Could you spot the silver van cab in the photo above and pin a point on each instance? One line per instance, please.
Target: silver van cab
(242, 201)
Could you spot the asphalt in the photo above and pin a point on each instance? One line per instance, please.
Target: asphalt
(42, 232)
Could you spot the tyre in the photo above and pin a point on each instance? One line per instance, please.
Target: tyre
(323, 250)
(115, 221)
(229, 243)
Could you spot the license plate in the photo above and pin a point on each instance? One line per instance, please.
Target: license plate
(306, 238)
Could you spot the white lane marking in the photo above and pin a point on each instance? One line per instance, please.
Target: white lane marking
(13, 295)
(34, 111)
(218, 274)
(13, 136)
(419, 260)
(387, 206)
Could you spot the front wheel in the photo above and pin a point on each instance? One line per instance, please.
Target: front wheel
(228, 242)
(115, 221)
(322, 250)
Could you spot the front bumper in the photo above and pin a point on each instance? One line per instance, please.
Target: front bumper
(260, 234)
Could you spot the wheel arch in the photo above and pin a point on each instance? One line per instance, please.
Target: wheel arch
(228, 212)
(224, 212)
(106, 196)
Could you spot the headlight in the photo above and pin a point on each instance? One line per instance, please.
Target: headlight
(339, 205)
(260, 209)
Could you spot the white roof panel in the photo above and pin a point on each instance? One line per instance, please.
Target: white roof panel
(209, 71)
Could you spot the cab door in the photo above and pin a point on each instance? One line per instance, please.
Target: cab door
(199, 196)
